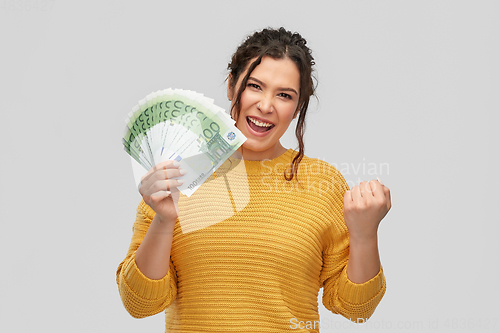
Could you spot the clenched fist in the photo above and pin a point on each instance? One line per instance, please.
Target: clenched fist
(364, 207)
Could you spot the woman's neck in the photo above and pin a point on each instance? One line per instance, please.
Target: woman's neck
(250, 155)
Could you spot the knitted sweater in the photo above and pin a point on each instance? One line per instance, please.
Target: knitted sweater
(259, 269)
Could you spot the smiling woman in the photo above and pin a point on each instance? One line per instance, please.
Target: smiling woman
(261, 269)
(292, 57)
(267, 107)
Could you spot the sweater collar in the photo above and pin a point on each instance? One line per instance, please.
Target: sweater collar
(278, 164)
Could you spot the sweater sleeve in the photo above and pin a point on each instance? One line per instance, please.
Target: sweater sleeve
(356, 302)
(141, 296)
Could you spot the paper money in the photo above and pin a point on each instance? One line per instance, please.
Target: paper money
(175, 124)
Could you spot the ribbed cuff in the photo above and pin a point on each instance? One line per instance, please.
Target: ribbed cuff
(142, 285)
(360, 293)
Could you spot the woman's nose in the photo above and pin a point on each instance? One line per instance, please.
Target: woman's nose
(265, 105)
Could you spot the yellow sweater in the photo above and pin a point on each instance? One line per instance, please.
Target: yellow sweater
(261, 269)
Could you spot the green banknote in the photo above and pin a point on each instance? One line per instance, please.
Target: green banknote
(165, 109)
(170, 120)
(181, 125)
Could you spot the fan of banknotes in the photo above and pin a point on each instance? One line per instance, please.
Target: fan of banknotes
(181, 125)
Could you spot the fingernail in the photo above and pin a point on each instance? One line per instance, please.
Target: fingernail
(182, 171)
(180, 181)
(380, 181)
(176, 163)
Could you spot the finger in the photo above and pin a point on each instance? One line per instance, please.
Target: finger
(159, 176)
(365, 189)
(385, 190)
(347, 196)
(387, 194)
(381, 193)
(160, 194)
(173, 183)
(376, 188)
(156, 198)
(172, 173)
(160, 166)
(356, 194)
(163, 174)
(161, 185)
(153, 185)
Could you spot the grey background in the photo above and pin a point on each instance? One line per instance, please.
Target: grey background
(407, 92)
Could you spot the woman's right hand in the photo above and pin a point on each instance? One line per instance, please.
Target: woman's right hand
(157, 188)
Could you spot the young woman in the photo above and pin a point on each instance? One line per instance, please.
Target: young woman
(261, 269)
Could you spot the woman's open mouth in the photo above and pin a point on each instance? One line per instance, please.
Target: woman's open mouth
(259, 126)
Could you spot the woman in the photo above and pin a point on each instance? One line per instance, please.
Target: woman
(261, 269)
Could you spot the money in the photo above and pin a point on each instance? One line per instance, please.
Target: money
(181, 125)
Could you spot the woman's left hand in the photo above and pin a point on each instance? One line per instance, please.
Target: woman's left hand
(364, 207)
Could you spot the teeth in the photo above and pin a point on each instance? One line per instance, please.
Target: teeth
(258, 123)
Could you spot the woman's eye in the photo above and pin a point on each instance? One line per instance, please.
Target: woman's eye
(253, 85)
(285, 95)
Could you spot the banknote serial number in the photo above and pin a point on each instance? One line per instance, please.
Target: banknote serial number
(196, 181)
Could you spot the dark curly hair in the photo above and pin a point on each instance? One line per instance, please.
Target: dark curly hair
(278, 44)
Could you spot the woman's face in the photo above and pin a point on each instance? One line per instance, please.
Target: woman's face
(268, 105)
